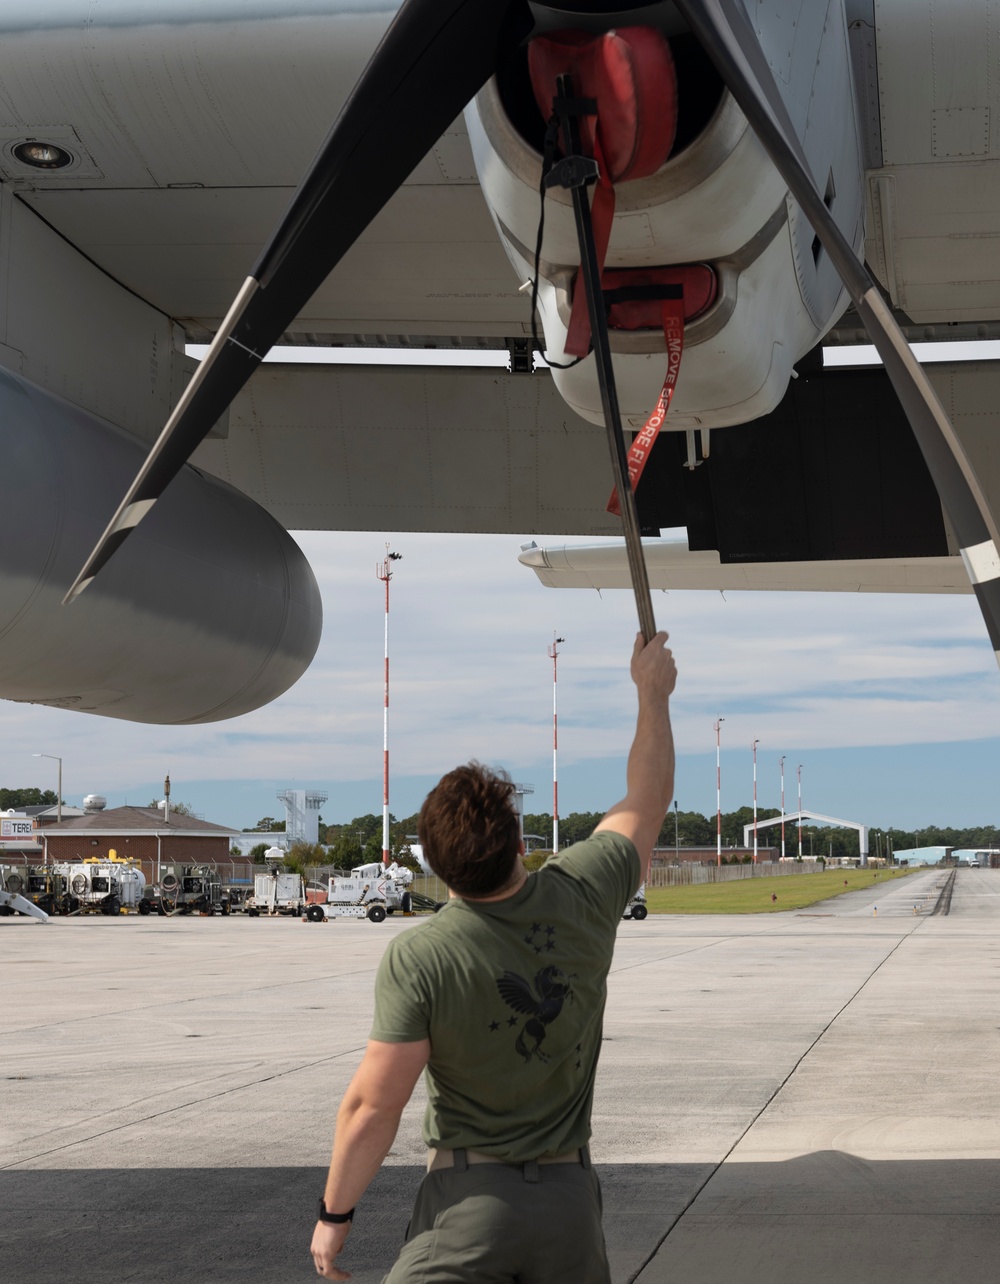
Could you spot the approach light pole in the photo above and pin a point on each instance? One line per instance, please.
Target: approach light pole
(384, 573)
(718, 791)
(554, 657)
(755, 744)
(781, 764)
(677, 840)
(798, 772)
(57, 759)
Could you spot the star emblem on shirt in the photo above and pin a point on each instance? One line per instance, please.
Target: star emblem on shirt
(494, 1025)
(541, 938)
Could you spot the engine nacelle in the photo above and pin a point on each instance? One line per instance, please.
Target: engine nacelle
(717, 200)
(208, 611)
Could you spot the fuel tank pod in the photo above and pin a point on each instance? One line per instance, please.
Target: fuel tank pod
(716, 205)
(210, 610)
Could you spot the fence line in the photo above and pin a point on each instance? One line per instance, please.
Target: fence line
(684, 875)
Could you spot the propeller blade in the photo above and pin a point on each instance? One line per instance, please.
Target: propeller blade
(435, 56)
(727, 36)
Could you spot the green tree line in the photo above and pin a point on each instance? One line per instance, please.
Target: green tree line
(359, 841)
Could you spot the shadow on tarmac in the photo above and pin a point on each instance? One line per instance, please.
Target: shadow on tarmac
(828, 1217)
(108, 1226)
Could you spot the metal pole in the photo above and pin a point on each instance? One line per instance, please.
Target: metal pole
(384, 573)
(55, 758)
(781, 763)
(591, 273)
(718, 790)
(798, 770)
(677, 841)
(554, 656)
(755, 744)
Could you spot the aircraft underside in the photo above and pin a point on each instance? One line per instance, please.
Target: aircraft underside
(185, 140)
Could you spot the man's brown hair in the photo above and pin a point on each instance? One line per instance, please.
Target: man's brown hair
(469, 830)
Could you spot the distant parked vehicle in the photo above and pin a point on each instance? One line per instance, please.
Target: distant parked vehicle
(637, 909)
(278, 891)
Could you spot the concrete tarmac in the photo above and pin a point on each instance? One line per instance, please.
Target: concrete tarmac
(795, 1096)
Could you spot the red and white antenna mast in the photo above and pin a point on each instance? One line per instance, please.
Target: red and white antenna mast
(798, 770)
(384, 572)
(781, 764)
(755, 744)
(554, 657)
(718, 790)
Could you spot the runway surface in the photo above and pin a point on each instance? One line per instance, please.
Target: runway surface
(783, 1097)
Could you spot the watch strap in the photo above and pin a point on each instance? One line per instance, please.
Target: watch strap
(334, 1219)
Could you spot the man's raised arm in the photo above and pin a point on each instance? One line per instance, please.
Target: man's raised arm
(650, 773)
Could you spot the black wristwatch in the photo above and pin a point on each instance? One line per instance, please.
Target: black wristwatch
(333, 1219)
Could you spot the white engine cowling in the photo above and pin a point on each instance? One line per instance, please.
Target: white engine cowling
(717, 200)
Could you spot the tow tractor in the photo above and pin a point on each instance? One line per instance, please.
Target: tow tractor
(636, 908)
(371, 892)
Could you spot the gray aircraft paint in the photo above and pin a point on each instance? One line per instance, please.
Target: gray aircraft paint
(216, 613)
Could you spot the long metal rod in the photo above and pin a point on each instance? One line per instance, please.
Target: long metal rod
(591, 271)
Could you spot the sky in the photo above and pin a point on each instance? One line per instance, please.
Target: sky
(891, 703)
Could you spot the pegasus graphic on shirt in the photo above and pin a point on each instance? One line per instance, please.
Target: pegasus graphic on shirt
(541, 1005)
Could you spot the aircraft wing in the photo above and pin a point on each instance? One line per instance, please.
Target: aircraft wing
(149, 151)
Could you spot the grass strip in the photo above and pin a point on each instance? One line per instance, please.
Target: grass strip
(754, 895)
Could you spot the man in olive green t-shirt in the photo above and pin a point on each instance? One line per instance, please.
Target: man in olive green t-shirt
(500, 1000)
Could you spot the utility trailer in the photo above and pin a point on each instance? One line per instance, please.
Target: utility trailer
(277, 891)
(101, 885)
(186, 889)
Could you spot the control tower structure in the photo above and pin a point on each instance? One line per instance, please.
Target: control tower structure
(302, 814)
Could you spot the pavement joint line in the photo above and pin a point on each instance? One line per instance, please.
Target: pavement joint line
(665, 958)
(634, 1277)
(132, 1105)
(186, 1105)
(178, 1001)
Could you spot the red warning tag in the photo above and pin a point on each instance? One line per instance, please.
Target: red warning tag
(638, 452)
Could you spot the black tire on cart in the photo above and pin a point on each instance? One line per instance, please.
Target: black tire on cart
(315, 914)
(224, 908)
(145, 909)
(376, 913)
(639, 912)
(406, 901)
(253, 913)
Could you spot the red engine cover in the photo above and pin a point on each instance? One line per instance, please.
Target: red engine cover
(697, 279)
(631, 74)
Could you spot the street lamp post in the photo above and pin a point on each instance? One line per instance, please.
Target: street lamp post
(57, 759)
(798, 771)
(755, 744)
(718, 791)
(781, 764)
(677, 841)
(554, 657)
(384, 573)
